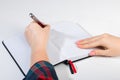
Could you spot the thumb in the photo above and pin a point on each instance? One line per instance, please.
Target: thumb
(99, 52)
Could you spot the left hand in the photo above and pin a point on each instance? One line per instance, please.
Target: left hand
(108, 45)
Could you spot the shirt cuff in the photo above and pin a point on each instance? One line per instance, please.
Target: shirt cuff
(43, 70)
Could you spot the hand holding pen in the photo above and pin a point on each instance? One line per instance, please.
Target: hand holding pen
(37, 36)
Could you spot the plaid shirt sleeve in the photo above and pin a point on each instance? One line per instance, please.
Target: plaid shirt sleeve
(41, 70)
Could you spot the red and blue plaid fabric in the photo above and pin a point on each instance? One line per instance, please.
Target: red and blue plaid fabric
(41, 70)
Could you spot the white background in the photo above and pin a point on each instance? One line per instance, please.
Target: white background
(96, 16)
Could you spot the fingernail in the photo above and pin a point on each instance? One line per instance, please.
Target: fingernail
(92, 53)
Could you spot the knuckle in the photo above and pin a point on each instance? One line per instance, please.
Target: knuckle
(105, 35)
(108, 53)
(32, 24)
(104, 38)
(86, 45)
(48, 25)
(89, 45)
(102, 41)
(103, 54)
(97, 52)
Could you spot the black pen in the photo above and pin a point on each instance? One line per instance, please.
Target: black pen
(36, 20)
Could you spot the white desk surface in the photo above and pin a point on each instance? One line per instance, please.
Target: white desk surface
(96, 16)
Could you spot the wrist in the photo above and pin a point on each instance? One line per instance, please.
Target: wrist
(38, 49)
(39, 55)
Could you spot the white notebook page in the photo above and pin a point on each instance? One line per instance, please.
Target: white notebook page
(61, 45)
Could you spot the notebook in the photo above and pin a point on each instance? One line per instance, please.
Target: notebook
(61, 45)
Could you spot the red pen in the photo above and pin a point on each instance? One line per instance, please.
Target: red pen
(36, 20)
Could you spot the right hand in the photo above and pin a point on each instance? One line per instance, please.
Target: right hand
(110, 45)
(37, 38)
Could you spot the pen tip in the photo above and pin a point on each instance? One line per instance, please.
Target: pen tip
(30, 14)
